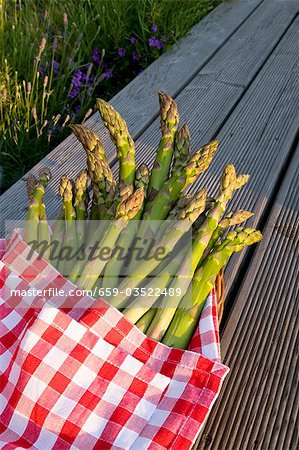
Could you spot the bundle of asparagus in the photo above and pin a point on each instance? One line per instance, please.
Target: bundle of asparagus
(150, 197)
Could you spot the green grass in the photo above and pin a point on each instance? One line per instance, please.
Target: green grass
(37, 101)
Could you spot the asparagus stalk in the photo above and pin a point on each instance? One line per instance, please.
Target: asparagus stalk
(187, 315)
(165, 314)
(180, 205)
(30, 185)
(200, 244)
(113, 268)
(144, 322)
(168, 306)
(121, 138)
(81, 196)
(99, 171)
(81, 204)
(168, 242)
(203, 236)
(181, 149)
(70, 236)
(43, 231)
(169, 124)
(104, 188)
(36, 193)
(136, 309)
(90, 141)
(141, 181)
(124, 213)
(231, 219)
(58, 232)
(160, 206)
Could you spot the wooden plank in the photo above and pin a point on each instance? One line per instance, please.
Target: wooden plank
(256, 136)
(206, 102)
(238, 60)
(171, 72)
(258, 406)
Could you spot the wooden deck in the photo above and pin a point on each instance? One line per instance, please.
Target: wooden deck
(235, 78)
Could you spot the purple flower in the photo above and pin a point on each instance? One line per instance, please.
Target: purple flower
(77, 109)
(108, 74)
(56, 67)
(121, 52)
(78, 78)
(134, 56)
(155, 42)
(74, 92)
(133, 40)
(41, 70)
(154, 28)
(96, 55)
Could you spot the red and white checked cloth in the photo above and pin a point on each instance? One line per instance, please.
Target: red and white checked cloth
(75, 373)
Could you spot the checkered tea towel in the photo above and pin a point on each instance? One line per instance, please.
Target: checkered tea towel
(76, 374)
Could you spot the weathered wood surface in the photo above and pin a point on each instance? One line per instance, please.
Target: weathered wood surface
(258, 406)
(235, 77)
(171, 72)
(256, 126)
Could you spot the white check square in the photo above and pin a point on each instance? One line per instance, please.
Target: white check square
(34, 388)
(29, 341)
(94, 425)
(131, 365)
(55, 358)
(114, 394)
(175, 389)
(84, 377)
(75, 331)
(102, 349)
(63, 407)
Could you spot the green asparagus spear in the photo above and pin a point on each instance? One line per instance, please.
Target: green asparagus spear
(159, 208)
(90, 141)
(121, 138)
(30, 185)
(58, 232)
(36, 193)
(124, 213)
(181, 149)
(113, 268)
(231, 219)
(170, 303)
(180, 205)
(139, 306)
(168, 242)
(144, 322)
(99, 171)
(203, 236)
(43, 231)
(169, 123)
(69, 247)
(187, 315)
(217, 209)
(165, 313)
(141, 181)
(200, 243)
(81, 196)
(104, 188)
(81, 199)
